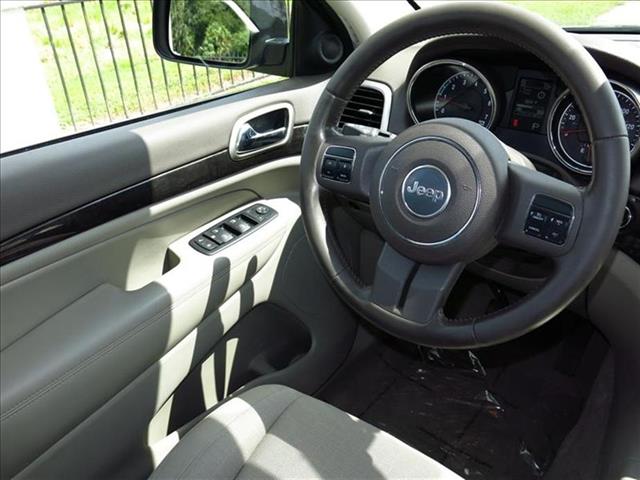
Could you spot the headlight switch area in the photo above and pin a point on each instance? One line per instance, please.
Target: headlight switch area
(229, 231)
(549, 219)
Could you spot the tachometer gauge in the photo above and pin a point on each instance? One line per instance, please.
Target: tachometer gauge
(451, 88)
(568, 133)
(465, 95)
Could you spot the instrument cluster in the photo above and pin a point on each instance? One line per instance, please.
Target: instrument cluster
(534, 103)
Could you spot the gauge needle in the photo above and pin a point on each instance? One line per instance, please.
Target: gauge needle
(452, 100)
(464, 106)
(575, 130)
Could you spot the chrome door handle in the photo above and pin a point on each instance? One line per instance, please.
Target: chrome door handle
(260, 130)
(249, 139)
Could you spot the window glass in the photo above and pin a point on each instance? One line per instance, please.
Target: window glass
(579, 13)
(74, 65)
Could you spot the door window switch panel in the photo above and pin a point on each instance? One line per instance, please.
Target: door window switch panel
(233, 229)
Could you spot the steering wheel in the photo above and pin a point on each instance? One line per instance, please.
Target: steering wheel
(444, 193)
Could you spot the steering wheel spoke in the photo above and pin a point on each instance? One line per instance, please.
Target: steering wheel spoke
(544, 214)
(393, 271)
(429, 291)
(415, 291)
(346, 163)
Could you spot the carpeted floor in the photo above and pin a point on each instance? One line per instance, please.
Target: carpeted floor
(497, 413)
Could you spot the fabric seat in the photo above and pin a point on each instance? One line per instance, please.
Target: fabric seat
(276, 432)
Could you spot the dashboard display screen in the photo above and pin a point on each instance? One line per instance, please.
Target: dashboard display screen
(530, 105)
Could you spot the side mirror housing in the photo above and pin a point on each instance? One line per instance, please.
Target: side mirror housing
(233, 34)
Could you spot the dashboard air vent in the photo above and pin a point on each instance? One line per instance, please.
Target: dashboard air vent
(365, 108)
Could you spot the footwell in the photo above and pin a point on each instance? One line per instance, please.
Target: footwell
(498, 413)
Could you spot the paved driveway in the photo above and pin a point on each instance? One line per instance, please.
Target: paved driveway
(625, 14)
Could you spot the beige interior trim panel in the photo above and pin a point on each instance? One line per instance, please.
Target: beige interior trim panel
(115, 300)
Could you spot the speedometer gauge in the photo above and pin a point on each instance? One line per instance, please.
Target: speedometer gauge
(568, 133)
(464, 95)
(451, 88)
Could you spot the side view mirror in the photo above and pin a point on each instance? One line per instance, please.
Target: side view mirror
(234, 34)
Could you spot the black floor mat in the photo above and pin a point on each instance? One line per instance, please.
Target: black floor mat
(498, 413)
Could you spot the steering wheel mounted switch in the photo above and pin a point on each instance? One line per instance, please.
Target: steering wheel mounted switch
(337, 163)
(549, 219)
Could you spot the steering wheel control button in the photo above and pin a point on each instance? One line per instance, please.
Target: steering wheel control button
(549, 219)
(337, 163)
(344, 171)
(329, 167)
(229, 231)
(426, 191)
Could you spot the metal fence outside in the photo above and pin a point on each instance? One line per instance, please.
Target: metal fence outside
(101, 66)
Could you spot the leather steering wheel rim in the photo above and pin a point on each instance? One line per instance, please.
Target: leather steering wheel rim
(597, 209)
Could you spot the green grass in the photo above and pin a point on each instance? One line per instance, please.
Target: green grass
(571, 13)
(152, 94)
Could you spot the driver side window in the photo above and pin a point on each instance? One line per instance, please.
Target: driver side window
(71, 67)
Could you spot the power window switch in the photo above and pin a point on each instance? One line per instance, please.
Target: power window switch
(219, 235)
(238, 225)
(205, 243)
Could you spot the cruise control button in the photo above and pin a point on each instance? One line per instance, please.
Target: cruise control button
(537, 215)
(559, 222)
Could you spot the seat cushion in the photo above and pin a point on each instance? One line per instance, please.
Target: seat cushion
(275, 432)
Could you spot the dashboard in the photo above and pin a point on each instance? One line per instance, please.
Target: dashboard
(524, 103)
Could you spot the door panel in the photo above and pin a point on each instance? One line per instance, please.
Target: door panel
(114, 332)
(118, 440)
(104, 316)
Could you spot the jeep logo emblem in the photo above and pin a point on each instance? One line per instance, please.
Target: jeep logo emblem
(426, 191)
